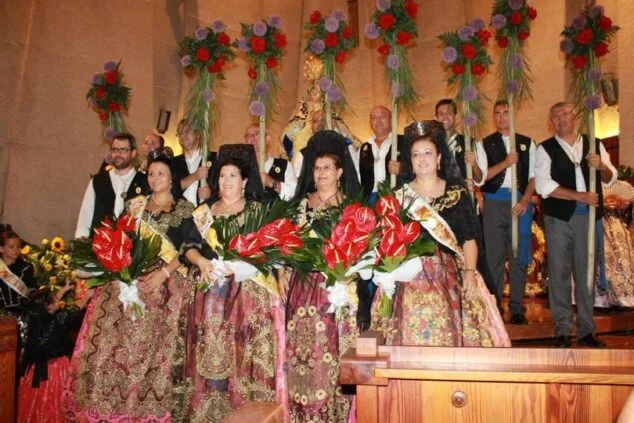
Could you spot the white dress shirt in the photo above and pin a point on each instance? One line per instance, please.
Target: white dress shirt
(379, 153)
(483, 163)
(545, 185)
(120, 185)
(191, 192)
(287, 188)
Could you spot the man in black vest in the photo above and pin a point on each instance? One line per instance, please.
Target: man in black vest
(562, 167)
(279, 178)
(107, 191)
(497, 215)
(188, 167)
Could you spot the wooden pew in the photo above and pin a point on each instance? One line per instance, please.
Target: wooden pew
(437, 384)
(8, 347)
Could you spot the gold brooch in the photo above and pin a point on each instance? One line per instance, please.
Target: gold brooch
(277, 169)
(209, 164)
(138, 190)
(523, 147)
(458, 149)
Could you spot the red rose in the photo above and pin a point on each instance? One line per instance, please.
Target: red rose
(202, 54)
(271, 62)
(516, 18)
(215, 67)
(364, 219)
(111, 77)
(347, 33)
(252, 73)
(103, 116)
(457, 69)
(391, 222)
(258, 44)
(221, 60)
(411, 8)
(288, 243)
(410, 232)
(477, 69)
(343, 232)
(112, 248)
(601, 49)
(315, 17)
(403, 37)
(384, 49)
(114, 107)
(605, 23)
(469, 51)
(523, 35)
(280, 40)
(333, 256)
(331, 40)
(126, 223)
(391, 245)
(386, 21)
(503, 42)
(340, 57)
(100, 92)
(532, 13)
(484, 36)
(223, 38)
(579, 62)
(387, 204)
(585, 36)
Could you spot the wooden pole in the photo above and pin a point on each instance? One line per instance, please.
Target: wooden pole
(512, 149)
(592, 211)
(467, 145)
(394, 151)
(262, 142)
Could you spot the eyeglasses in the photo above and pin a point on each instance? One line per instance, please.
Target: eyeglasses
(120, 150)
(326, 168)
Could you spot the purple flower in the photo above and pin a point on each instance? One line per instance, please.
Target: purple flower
(256, 108)
(498, 21)
(449, 54)
(331, 24)
(465, 33)
(513, 87)
(566, 45)
(470, 120)
(340, 15)
(243, 44)
(477, 24)
(596, 11)
(186, 60)
(592, 102)
(217, 26)
(393, 61)
(579, 22)
(516, 4)
(469, 93)
(325, 84)
(201, 34)
(96, 79)
(371, 31)
(259, 29)
(109, 133)
(208, 95)
(383, 5)
(334, 94)
(515, 61)
(262, 88)
(317, 46)
(108, 156)
(275, 21)
(594, 74)
(109, 66)
(396, 91)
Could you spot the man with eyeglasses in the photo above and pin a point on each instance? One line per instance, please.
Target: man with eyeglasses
(107, 191)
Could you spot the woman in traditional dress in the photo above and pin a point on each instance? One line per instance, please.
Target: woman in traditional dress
(316, 338)
(446, 303)
(127, 368)
(236, 331)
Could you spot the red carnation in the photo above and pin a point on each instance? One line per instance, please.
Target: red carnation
(503, 42)
(315, 16)
(100, 92)
(411, 8)
(523, 35)
(103, 116)
(258, 44)
(387, 204)
(532, 13)
(114, 107)
(331, 40)
(601, 49)
(202, 54)
(280, 39)
(252, 73)
(347, 33)
(469, 51)
(403, 37)
(386, 21)
(223, 38)
(340, 57)
(457, 69)
(477, 69)
(484, 36)
(516, 18)
(271, 62)
(111, 76)
(605, 23)
(384, 49)
(215, 67)
(585, 36)
(579, 62)
(221, 60)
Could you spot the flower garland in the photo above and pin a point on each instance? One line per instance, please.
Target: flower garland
(108, 97)
(207, 53)
(330, 39)
(466, 59)
(395, 22)
(586, 40)
(511, 20)
(262, 42)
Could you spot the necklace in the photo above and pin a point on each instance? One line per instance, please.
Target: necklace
(427, 195)
(167, 203)
(322, 201)
(230, 207)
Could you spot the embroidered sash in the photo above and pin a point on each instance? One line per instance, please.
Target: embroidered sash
(12, 281)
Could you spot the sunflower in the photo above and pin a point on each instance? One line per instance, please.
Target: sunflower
(25, 250)
(57, 244)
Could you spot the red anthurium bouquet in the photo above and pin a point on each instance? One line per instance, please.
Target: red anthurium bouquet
(109, 98)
